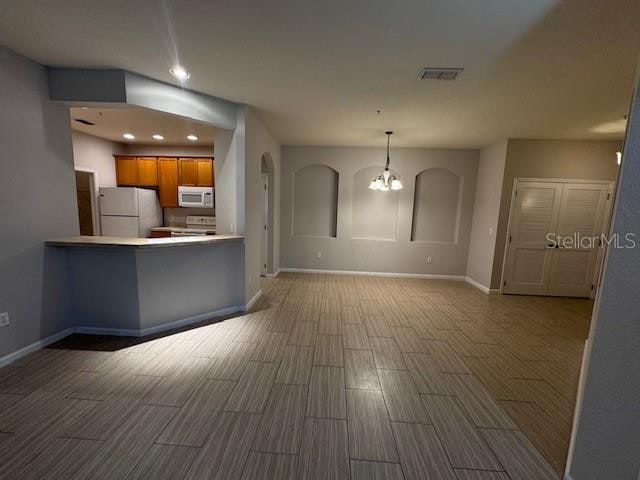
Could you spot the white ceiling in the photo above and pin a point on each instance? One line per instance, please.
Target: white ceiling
(113, 123)
(318, 70)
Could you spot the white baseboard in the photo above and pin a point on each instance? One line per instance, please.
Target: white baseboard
(116, 332)
(273, 275)
(253, 300)
(478, 285)
(375, 274)
(183, 322)
(12, 357)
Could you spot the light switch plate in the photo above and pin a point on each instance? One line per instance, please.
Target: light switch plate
(4, 319)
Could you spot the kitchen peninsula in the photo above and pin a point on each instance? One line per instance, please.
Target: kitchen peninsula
(140, 286)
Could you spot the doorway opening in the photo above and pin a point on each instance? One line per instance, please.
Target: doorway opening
(86, 195)
(267, 184)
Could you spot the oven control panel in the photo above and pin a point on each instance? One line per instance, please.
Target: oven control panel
(203, 220)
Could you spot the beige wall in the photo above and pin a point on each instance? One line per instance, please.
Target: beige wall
(485, 212)
(258, 141)
(226, 167)
(315, 195)
(394, 255)
(571, 159)
(97, 154)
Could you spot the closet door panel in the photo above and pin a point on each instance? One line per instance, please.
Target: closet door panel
(579, 228)
(534, 214)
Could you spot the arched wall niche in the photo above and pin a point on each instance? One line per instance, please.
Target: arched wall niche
(436, 206)
(315, 201)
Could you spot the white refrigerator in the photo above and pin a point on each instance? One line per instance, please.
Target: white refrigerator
(129, 212)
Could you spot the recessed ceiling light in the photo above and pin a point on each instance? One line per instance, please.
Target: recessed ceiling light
(180, 73)
(157, 136)
(192, 137)
(129, 136)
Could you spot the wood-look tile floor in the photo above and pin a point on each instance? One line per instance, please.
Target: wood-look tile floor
(329, 377)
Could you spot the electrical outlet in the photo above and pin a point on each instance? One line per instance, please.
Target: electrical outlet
(4, 319)
(429, 259)
(490, 230)
(319, 254)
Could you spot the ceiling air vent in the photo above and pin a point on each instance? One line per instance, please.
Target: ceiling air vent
(84, 122)
(429, 73)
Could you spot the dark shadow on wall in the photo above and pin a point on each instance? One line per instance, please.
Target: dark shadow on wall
(37, 297)
(36, 138)
(55, 306)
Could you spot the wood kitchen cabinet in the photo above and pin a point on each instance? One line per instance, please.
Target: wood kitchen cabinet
(165, 173)
(188, 172)
(159, 234)
(168, 176)
(196, 172)
(205, 172)
(127, 171)
(147, 171)
(137, 171)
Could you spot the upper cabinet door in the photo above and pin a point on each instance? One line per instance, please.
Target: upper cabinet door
(168, 181)
(127, 171)
(188, 172)
(148, 171)
(205, 172)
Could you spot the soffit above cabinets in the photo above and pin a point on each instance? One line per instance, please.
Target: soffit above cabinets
(113, 123)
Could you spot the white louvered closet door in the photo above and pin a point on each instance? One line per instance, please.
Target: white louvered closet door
(581, 218)
(534, 214)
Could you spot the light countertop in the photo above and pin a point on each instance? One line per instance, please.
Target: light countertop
(87, 241)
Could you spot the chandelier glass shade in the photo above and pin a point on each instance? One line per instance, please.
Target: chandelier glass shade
(386, 180)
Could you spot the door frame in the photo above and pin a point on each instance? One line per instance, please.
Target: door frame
(265, 226)
(93, 187)
(606, 222)
(606, 219)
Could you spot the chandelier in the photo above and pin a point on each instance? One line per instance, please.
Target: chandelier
(386, 181)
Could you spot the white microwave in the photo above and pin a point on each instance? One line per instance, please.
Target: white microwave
(198, 197)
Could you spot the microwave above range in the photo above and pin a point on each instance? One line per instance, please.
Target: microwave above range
(195, 197)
